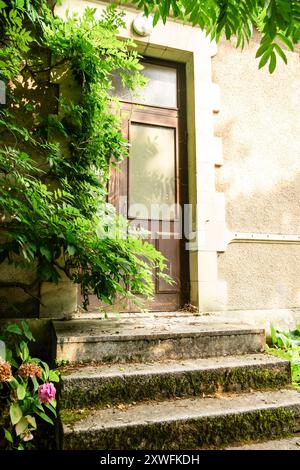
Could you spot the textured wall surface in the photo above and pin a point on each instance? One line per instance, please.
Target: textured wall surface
(261, 276)
(260, 126)
(259, 123)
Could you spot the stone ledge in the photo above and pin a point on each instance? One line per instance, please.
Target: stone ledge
(148, 339)
(187, 423)
(126, 383)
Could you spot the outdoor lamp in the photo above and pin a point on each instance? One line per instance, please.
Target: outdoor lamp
(143, 25)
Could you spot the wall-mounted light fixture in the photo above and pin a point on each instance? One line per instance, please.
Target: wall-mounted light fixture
(143, 25)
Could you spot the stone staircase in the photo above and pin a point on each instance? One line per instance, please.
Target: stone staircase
(170, 382)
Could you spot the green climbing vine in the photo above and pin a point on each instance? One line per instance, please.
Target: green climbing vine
(55, 152)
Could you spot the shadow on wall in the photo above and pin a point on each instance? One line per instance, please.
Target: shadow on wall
(260, 127)
(262, 186)
(261, 275)
(262, 196)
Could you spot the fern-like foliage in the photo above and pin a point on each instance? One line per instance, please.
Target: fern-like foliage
(277, 20)
(54, 166)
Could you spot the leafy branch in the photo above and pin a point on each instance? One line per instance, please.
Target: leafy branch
(54, 168)
(27, 392)
(277, 20)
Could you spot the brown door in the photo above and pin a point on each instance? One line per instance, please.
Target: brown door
(151, 188)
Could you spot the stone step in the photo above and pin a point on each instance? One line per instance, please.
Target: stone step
(192, 423)
(150, 339)
(290, 443)
(127, 383)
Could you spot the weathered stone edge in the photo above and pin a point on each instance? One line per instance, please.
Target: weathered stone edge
(191, 433)
(181, 347)
(61, 339)
(126, 388)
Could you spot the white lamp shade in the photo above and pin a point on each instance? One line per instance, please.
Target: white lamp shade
(143, 25)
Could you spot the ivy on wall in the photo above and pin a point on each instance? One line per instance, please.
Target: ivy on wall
(54, 167)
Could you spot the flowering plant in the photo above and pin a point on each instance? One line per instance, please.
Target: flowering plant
(27, 392)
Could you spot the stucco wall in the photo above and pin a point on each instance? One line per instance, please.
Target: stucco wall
(259, 124)
(261, 276)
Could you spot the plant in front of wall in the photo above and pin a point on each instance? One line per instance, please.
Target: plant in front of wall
(27, 390)
(55, 219)
(286, 344)
(278, 22)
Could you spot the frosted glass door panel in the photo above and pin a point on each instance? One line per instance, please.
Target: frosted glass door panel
(152, 173)
(161, 89)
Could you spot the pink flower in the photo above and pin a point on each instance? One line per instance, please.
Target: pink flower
(47, 392)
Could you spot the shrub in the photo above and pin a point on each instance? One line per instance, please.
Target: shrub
(286, 344)
(27, 391)
(54, 167)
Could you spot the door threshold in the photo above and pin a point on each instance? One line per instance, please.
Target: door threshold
(116, 315)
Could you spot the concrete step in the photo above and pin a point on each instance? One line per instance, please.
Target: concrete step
(192, 423)
(127, 383)
(150, 339)
(290, 443)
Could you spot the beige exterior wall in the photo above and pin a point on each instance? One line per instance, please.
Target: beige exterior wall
(183, 43)
(243, 137)
(259, 124)
(243, 140)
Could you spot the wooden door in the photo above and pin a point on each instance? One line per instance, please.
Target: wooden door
(150, 187)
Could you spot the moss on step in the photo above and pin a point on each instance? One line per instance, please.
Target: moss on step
(196, 433)
(70, 417)
(125, 389)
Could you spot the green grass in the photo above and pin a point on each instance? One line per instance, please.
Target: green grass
(286, 345)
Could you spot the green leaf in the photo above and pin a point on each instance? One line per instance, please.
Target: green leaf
(21, 392)
(156, 17)
(31, 421)
(10, 359)
(13, 328)
(286, 41)
(19, 3)
(53, 376)
(45, 417)
(35, 383)
(15, 413)
(27, 331)
(23, 351)
(50, 407)
(8, 436)
(273, 334)
(46, 370)
(280, 53)
(71, 250)
(272, 64)
(262, 49)
(14, 383)
(264, 58)
(297, 328)
(21, 426)
(46, 253)
(38, 407)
